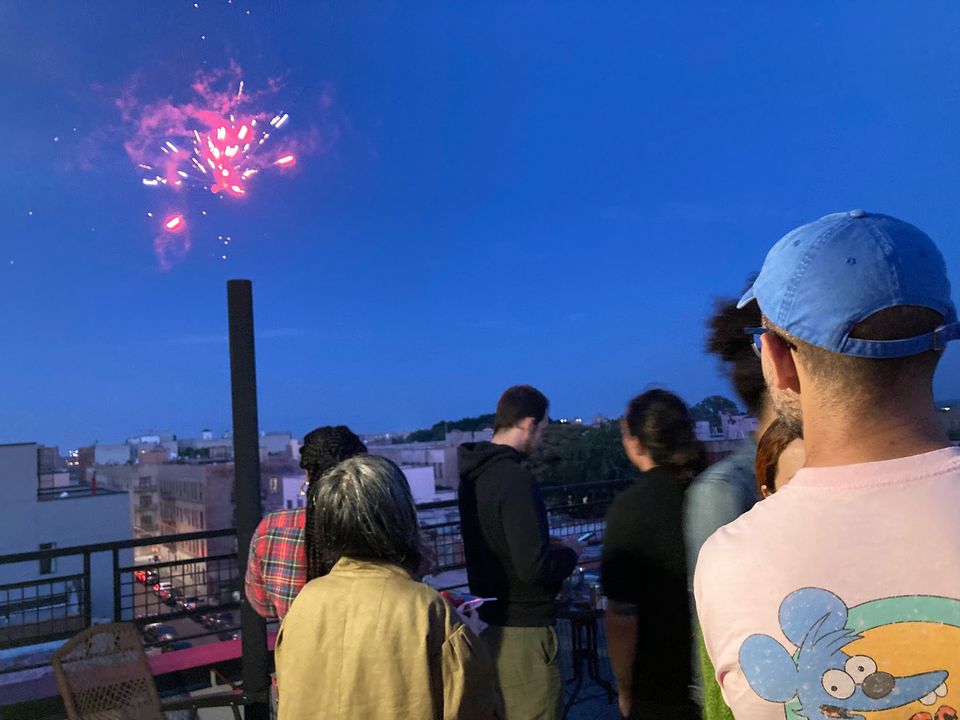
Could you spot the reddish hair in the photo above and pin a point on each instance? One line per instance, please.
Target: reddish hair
(769, 449)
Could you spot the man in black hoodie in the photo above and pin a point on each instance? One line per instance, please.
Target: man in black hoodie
(511, 557)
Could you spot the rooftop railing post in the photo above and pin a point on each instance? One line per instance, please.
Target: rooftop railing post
(87, 595)
(246, 452)
(117, 599)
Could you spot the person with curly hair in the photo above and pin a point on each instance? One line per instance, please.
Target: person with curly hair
(284, 550)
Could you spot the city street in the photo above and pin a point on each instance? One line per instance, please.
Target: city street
(146, 607)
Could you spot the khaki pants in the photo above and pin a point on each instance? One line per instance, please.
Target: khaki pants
(528, 672)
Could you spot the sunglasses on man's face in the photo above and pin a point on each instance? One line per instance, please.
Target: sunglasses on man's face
(757, 333)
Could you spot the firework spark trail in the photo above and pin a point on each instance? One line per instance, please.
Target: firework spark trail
(175, 223)
(173, 243)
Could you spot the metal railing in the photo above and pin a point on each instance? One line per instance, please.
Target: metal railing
(195, 594)
(194, 597)
(571, 510)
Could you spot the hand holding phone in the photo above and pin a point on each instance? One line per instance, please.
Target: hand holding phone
(469, 615)
(474, 604)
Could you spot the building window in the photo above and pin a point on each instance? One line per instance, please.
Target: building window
(289, 504)
(48, 565)
(300, 502)
(274, 483)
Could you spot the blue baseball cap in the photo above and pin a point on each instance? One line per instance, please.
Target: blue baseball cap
(823, 278)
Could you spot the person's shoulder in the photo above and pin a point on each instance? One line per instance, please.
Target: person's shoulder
(627, 506)
(723, 480)
(626, 499)
(509, 475)
(427, 600)
(743, 543)
(644, 490)
(314, 591)
(278, 519)
(732, 467)
(717, 474)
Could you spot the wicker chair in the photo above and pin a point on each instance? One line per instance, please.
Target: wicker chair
(103, 674)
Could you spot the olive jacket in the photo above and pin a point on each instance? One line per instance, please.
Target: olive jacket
(369, 641)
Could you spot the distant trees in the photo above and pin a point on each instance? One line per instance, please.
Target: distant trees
(439, 430)
(190, 453)
(709, 409)
(574, 454)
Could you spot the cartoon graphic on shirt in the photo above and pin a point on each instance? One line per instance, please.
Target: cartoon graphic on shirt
(871, 659)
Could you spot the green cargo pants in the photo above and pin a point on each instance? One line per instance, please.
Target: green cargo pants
(528, 671)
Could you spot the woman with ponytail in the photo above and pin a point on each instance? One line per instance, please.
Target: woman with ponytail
(643, 568)
(284, 551)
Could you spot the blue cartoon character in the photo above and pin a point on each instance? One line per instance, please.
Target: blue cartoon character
(824, 678)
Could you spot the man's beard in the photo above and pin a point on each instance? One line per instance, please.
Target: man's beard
(786, 404)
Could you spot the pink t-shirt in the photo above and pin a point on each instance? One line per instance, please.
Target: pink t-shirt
(839, 596)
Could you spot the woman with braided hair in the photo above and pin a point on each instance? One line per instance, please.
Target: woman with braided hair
(284, 552)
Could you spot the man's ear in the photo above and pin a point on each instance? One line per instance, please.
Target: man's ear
(638, 446)
(527, 424)
(782, 363)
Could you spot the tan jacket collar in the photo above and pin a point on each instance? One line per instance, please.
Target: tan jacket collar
(351, 567)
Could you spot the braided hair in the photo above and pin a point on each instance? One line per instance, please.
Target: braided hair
(322, 450)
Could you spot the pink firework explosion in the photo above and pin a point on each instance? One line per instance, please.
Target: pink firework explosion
(215, 143)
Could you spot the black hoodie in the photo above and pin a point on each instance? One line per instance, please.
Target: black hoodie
(506, 539)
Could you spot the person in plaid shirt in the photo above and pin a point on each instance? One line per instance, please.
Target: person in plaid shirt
(284, 555)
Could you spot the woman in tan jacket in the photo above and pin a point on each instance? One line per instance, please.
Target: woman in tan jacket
(367, 640)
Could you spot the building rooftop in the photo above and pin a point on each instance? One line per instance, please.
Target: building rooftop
(73, 491)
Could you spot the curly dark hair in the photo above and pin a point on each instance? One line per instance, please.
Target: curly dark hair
(726, 340)
(322, 449)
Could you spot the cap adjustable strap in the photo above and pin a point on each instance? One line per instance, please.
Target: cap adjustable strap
(944, 334)
(936, 340)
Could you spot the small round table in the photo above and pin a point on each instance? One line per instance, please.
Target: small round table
(585, 648)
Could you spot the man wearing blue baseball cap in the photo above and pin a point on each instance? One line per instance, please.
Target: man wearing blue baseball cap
(830, 598)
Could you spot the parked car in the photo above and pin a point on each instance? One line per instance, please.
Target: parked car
(158, 632)
(171, 597)
(147, 577)
(217, 620)
(177, 645)
(189, 603)
(231, 634)
(165, 590)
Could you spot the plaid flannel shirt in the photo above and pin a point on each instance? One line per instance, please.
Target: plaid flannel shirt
(277, 565)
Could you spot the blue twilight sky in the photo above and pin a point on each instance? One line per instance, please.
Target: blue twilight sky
(542, 192)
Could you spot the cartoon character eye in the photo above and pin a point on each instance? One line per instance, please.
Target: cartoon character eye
(859, 666)
(838, 684)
